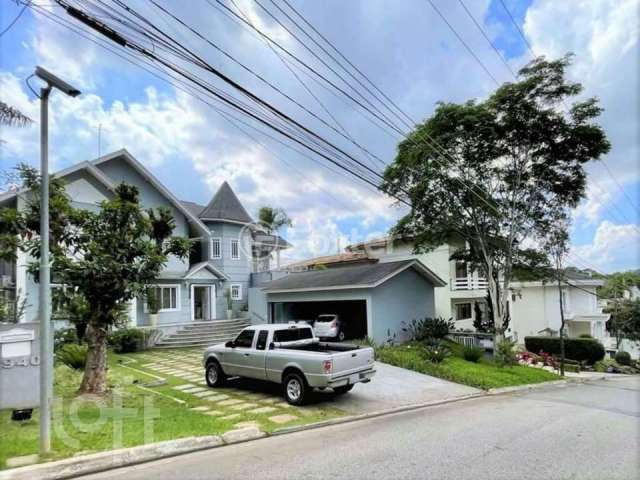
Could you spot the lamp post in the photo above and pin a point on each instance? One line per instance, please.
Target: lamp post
(46, 338)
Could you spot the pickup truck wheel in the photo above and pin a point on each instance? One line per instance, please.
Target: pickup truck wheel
(341, 336)
(342, 390)
(214, 375)
(295, 389)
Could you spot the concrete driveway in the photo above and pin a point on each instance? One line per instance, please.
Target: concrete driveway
(396, 387)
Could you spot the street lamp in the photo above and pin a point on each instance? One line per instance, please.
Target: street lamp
(46, 338)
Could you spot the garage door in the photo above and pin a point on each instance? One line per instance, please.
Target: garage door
(353, 314)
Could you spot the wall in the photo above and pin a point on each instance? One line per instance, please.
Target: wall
(531, 312)
(437, 261)
(118, 170)
(405, 297)
(239, 270)
(183, 314)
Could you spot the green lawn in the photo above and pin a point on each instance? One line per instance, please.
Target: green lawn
(484, 375)
(87, 425)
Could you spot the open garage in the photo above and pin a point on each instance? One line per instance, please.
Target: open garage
(374, 300)
(352, 314)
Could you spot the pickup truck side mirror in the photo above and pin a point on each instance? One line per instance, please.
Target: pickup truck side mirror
(229, 344)
(272, 346)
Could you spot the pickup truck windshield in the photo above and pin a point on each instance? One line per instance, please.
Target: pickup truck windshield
(292, 334)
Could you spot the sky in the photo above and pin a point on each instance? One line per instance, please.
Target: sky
(404, 47)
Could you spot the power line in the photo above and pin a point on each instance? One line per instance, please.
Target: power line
(229, 117)
(320, 142)
(471, 52)
(620, 186)
(14, 20)
(522, 35)
(484, 34)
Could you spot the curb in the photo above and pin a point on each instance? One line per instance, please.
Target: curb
(124, 457)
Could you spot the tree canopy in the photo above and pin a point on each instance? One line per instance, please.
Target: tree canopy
(496, 175)
(107, 257)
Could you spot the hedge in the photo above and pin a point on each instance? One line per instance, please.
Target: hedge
(581, 349)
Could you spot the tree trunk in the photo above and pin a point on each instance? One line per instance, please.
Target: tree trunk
(94, 380)
(561, 327)
(498, 312)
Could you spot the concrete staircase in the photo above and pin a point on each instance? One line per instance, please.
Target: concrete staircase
(203, 334)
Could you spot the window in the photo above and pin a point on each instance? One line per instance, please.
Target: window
(216, 248)
(262, 340)
(292, 334)
(235, 249)
(461, 270)
(167, 296)
(245, 339)
(236, 291)
(463, 311)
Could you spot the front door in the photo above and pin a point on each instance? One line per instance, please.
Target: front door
(203, 305)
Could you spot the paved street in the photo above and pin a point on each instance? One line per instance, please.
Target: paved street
(573, 432)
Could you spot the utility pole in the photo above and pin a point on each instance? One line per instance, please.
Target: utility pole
(561, 317)
(44, 303)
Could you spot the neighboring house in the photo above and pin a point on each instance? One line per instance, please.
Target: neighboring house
(227, 249)
(372, 298)
(533, 306)
(463, 289)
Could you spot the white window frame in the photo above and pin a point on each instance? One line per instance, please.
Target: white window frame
(232, 286)
(167, 285)
(213, 254)
(237, 243)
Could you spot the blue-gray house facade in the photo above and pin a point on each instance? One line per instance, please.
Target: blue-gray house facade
(228, 246)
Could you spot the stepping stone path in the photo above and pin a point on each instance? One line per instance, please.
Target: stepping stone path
(194, 390)
(280, 419)
(200, 409)
(227, 403)
(263, 410)
(204, 394)
(217, 398)
(230, 417)
(242, 406)
(184, 387)
(214, 413)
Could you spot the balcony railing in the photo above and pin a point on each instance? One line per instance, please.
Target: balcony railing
(469, 283)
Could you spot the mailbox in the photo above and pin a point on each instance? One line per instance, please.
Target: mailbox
(19, 365)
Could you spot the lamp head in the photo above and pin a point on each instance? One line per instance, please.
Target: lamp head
(56, 82)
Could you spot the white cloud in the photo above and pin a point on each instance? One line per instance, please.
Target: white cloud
(604, 36)
(614, 247)
(153, 130)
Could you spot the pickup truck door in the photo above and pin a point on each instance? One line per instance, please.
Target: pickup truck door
(236, 359)
(255, 363)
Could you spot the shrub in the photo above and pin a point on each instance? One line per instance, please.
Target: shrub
(472, 354)
(568, 367)
(427, 328)
(505, 355)
(623, 358)
(127, 340)
(73, 355)
(581, 349)
(435, 351)
(584, 335)
(64, 337)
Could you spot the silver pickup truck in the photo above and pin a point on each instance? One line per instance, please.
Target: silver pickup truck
(291, 355)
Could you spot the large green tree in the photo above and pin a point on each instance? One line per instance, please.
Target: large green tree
(107, 257)
(494, 174)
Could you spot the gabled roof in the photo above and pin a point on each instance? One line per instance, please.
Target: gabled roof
(208, 265)
(368, 275)
(193, 207)
(91, 167)
(225, 206)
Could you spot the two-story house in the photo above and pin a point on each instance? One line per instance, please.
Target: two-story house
(228, 246)
(533, 306)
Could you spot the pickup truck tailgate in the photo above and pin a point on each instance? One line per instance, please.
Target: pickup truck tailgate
(352, 361)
